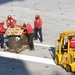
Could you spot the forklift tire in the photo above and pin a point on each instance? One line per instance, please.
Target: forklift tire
(56, 60)
(68, 68)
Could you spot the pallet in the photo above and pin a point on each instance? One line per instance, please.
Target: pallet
(14, 31)
(18, 50)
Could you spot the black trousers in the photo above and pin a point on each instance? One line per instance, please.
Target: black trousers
(36, 31)
(2, 40)
(30, 41)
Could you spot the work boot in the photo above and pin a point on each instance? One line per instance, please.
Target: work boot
(32, 49)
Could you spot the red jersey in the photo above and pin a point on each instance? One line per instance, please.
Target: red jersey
(29, 29)
(2, 29)
(10, 22)
(38, 23)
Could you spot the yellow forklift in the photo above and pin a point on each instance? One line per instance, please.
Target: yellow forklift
(65, 50)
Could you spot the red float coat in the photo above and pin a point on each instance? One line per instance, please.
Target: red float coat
(2, 31)
(38, 23)
(10, 22)
(72, 43)
(28, 29)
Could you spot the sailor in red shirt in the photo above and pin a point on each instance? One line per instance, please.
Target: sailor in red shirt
(2, 31)
(38, 27)
(10, 21)
(27, 28)
(72, 42)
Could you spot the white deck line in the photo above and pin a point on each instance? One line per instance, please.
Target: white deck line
(43, 45)
(27, 58)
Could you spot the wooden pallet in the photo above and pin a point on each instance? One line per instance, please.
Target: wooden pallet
(18, 50)
(14, 31)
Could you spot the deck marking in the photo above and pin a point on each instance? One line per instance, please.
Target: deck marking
(43, 45)
(27, 58)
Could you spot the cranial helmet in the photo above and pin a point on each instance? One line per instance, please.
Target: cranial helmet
(2, 22)
(37, 15)
(24, 24)
(9, 17)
